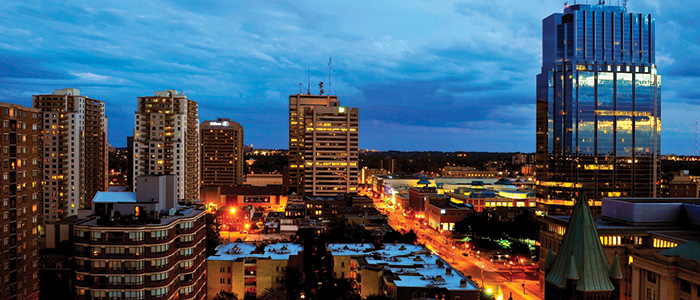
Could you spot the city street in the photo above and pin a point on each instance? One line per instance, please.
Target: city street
(482, 271)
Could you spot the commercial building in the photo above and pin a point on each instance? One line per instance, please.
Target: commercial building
(323, 146)
(222, 153)
(298, 104)
(74, 151)
(444, 215)
(267, 197)
(141, 245)
(469, 172)
(638, 231)
(684, 186)
(598, 107)
(21, 168)
(331, 150)
(240, 269)
(166, 140)
(482, 199)
(669, 274)
(401, 271)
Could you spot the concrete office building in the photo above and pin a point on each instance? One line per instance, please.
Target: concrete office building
(141, 245)
(166, 140)
(74, 152)
(330, 151)
(21, 169)
(332, 147)
(222, 153)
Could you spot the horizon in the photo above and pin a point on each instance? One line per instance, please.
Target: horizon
(455, 74)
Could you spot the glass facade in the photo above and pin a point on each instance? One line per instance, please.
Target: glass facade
(598, 106)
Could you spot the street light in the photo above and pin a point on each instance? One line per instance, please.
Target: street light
(522, 266)
(482, 276)
(453, 254)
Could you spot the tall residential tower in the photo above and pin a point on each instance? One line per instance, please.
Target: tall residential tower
(74, 150)
(166, 140)
(598, 107)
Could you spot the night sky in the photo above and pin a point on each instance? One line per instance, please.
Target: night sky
(426, 75)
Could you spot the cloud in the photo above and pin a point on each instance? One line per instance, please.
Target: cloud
(460, 73)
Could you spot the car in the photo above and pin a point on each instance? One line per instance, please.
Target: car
(465, 254)
(244, 231)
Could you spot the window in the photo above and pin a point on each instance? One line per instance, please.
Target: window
(97, 265)
(186, 252)
(651, 277)
(187, 290)
(134, 295)
(115, 265)
(115, 280)
(95, 236)
(98, 294)
(133, 265)
(160, 234)
(651, 294)
(136, 250)
(685, 286)
(186, 264)
(115, 250)
(187, 238)
(133, 280)
(160, 262)
(136, 236)
(160, 248)
(160, 292)
(160, 276)
(187, 225)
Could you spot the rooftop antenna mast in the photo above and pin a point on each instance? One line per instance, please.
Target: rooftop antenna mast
(300, 85)
(696, 135)
(330, 74)
(308, 88)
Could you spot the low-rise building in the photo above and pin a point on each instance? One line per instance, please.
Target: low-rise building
(401, 271)
(469, 172)
(444, 216)
(248, 270)
(481, 199)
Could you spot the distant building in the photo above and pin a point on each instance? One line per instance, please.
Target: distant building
(323, 146)
(480, 199)
(400, 271)
(141, 245)
(469, 172)
(444, 216)
(598, 107)
(669, 274)
(683, 186)
(239, 268)
(418, 196)
(166, 140)
(267, 197)
(22, 176)
(264, 179)
(522, 159)
(366, 173)
(326, 207)
(221, 153)
(389, 164)
(75, 151)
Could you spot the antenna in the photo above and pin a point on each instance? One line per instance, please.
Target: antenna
(696, 135)
(330, 74)
(308, 88)
(300, 85)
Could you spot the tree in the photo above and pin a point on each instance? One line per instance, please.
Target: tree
(293, 282)
(224, 295)
(273, 294)
(213, 234)
(338, 288)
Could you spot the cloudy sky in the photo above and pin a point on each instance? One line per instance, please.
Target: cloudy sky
(426, 75)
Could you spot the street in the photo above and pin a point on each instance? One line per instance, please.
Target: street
(481, 270)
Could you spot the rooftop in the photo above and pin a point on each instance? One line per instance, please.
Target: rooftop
(235, 251)
(114, 197)
(175, 214)
(349, 249)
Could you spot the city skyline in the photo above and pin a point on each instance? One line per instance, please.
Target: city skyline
(452, 79)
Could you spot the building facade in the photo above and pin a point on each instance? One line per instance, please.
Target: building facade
(598, 107)
(75, 153)
(131, 250)
(166, 140)
(238, 268)
(298, 105)
(21, 168)
(222, 153)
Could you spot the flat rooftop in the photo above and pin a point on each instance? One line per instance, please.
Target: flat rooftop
(181, 213)
(235, 251)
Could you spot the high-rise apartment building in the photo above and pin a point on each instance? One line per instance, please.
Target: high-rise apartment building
(132, 250)
(21, 168)
(297, 131)
(330, 150)
(598, 107)
(166, 140)
(75, 154)
(222, 153)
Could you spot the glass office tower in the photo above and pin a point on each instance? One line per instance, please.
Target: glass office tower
(598, 107)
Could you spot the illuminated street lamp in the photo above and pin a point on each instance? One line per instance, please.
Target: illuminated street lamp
(482, 275)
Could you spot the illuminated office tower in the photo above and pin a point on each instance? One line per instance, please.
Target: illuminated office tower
(166, 140)
(222, 153)
(598, 107)
(297, 105)
(74, 151)
(330, 150)
(21, 195)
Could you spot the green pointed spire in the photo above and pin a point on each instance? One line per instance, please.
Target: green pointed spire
(549, 260)
(573, 272)
(615, 271)
(582, 241)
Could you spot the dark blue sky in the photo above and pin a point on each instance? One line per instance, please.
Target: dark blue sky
(426, 75)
